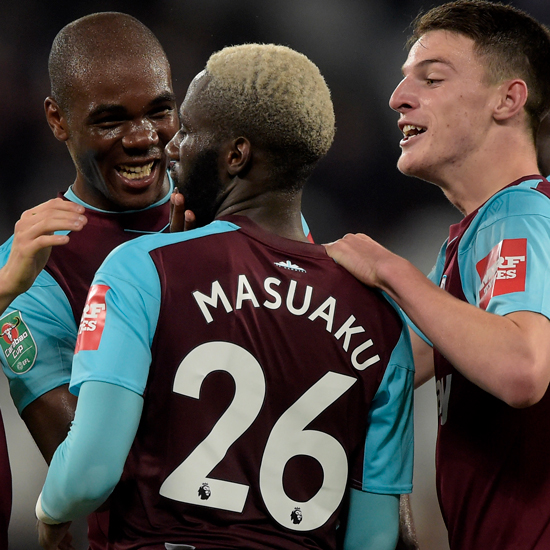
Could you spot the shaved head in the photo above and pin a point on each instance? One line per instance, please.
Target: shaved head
(107, 39)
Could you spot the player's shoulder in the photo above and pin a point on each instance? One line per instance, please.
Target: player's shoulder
(530, 197)
(146, 243)
(131, 258)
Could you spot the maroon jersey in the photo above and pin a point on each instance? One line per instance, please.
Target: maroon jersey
(5, 489)
(270, 367)
(492, 460)
(73, 266)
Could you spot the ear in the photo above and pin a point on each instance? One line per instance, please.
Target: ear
(56, 119)
(513, 95)
(239, 156)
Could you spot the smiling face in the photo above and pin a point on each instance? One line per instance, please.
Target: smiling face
(445, 105)
(120, 118)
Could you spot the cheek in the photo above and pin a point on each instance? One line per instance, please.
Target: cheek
(167, 130)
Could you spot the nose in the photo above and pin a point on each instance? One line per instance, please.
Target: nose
(142, 135)
(173, 146)
(403, 98)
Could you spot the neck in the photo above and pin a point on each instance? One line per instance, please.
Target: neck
(276, 212)
(470, 184)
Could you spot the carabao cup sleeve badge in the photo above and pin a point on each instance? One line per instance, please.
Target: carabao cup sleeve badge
(17, 342)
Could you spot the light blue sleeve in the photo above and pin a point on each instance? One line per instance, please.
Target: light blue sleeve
(389, 446)
(132, 304)
(38, 339)
(87, 466)
(373, 521)
(512, 241)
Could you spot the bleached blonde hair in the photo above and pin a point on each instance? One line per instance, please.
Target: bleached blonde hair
(277, 98)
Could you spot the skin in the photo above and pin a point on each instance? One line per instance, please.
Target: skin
(121, 115)
(32, 243)
(231, 189)
(507, 356)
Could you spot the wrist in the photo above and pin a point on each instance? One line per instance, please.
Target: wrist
(42, 516)
(392, 274)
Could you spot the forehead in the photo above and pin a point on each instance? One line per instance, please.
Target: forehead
(193, 110)
(447, 49)
(117, 81)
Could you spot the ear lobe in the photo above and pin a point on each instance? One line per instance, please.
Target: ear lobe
(513, 99)
(56, 119)
(239, 156)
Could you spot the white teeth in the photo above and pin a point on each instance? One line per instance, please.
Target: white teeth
(410, 130)
(135, 172)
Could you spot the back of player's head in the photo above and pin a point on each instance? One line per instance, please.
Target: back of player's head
(512, 43)
(106, 40)
(277, 98)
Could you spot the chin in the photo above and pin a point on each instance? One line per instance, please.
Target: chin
(405, 167)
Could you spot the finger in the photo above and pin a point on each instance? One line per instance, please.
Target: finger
(177, 212)
(57, 204)
(190, 220)
(32, 226)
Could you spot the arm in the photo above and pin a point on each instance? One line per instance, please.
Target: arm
(32, 241)
(373, 521)
(49, 417)
(89, 463)
(407, 530)
(507, 356)
(423, 359)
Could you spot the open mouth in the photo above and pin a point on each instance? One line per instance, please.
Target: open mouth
(410, 131)
(135, 172)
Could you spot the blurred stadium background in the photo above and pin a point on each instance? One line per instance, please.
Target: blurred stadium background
(359, 47)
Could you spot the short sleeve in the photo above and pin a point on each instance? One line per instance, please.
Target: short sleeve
(506, 267)
(119, 322)
(389, 447)
(38, 340)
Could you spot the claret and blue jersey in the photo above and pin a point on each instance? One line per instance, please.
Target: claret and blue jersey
(490, 455)
(273, 381)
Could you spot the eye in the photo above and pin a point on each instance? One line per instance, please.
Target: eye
(432, 81)
(162, 111)
(108, 122)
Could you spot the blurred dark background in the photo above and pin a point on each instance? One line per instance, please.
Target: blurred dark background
(358, 46)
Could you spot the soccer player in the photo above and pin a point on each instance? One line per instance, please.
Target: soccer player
(475, 88)
(33, 238)
(228, 373)
(113, 105)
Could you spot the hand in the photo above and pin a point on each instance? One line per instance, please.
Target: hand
(180, 219)
(32, 242)
(55, 537)
(362, 257)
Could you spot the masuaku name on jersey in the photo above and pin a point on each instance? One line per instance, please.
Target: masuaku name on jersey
(325, 311)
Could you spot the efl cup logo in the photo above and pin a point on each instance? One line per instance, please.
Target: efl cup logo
(17, 343)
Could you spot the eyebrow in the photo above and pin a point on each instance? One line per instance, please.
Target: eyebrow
(115, 108)
(425, 62)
